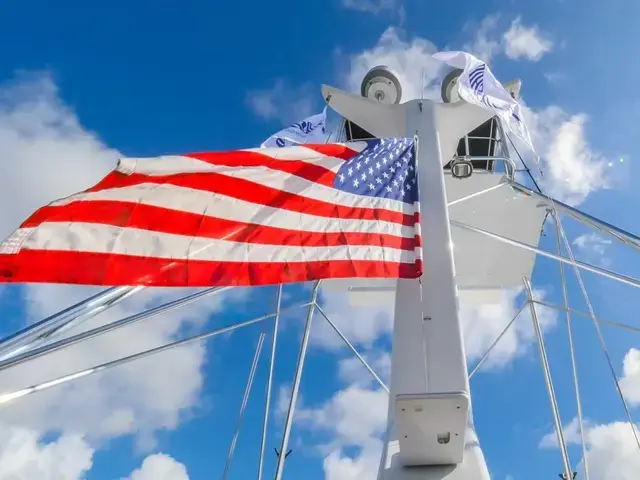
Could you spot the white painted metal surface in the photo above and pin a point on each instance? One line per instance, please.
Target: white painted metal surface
(481, 263)
(428, 357)
(424, 423)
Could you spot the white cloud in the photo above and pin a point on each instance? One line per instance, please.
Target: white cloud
(571, 434)
(517, 42)
(353, 418)
(46, 152)
(282, 402)
(484, 44)
(482, 324)
(592, 243)
(361, 325)
(630, 381)
(526, 42)
(612, 451)
(339, 466)
(351, 370)
(49, 155)
(555, 78)
(354, 415)
(283, 102)
(593, 247)
(371, 6)
(24, 456)
(160, 467)
(572, 169)
(136, 398)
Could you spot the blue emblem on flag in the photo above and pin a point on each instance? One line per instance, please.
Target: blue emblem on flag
(476, 79)
(305, 126)
(386, 168)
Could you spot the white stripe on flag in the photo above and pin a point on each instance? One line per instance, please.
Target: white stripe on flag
(286, 182)
(96, 238)
(188, 200)
(171, 164)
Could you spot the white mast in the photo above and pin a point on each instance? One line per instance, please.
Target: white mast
(429, 404)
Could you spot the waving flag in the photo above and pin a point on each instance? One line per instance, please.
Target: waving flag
(477, 85)
(248, 217)
(310, 130)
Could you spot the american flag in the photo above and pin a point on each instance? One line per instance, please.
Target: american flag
(246, 217)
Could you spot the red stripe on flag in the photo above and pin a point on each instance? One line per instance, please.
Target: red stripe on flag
(258, 194)
(306, 170)
(331, 150)
(37, 266)
(327, 149)
(158, 219)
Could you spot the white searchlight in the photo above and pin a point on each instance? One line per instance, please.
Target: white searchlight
(381, 85)
(449, 87)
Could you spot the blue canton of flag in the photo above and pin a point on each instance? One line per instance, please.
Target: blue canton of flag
(386, 168)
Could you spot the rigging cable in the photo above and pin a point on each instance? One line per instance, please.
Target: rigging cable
(243, 406)
(526, 168)
(574, 367)
(603, 345)
(267, 401)
(495, 342)
(547, 376)
(353, 349)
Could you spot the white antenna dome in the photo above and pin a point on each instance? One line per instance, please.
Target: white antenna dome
(381, 85)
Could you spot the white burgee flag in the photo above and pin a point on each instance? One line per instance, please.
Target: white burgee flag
(477, 85)
(310, 130)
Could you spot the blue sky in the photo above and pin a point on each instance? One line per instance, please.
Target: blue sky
(83, 83)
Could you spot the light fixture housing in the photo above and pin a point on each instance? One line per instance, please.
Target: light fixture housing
(381, 85)
(449, 86)
(461, 169)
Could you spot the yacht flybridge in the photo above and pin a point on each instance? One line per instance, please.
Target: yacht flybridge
(477, 229)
